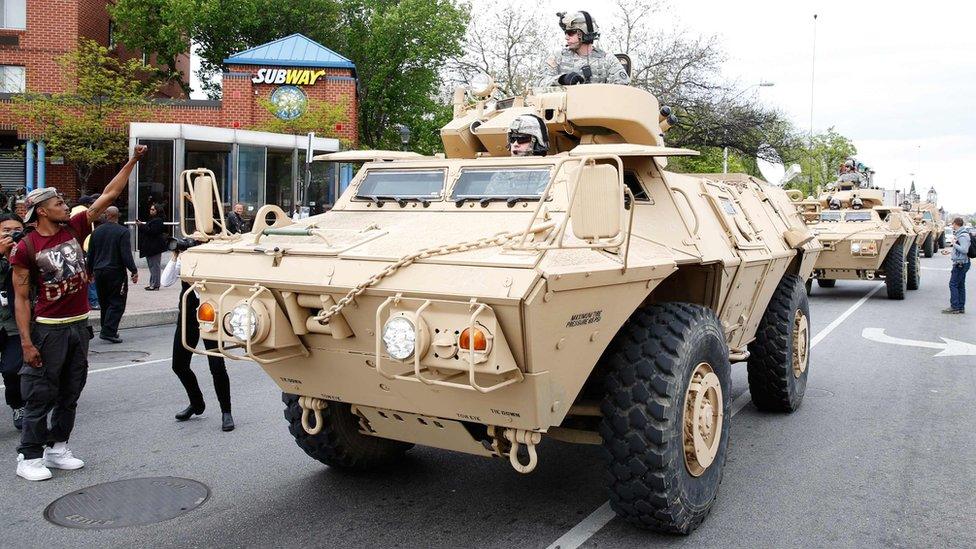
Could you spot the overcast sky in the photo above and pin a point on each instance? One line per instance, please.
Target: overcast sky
(898, 79)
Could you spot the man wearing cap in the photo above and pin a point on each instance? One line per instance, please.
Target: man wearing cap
(55, 345)
(581, 62)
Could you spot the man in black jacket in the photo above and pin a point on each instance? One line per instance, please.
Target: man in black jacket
(236, 222)
(110, 255)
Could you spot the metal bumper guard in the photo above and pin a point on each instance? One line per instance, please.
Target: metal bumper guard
(268, 356)
(512, 376)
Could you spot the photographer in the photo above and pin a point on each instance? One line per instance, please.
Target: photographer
(11, 356)
(181, 356)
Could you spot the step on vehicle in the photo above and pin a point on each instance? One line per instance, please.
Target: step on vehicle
(478, 302)
(861, 238)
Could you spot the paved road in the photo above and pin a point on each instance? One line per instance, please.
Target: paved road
(882, 453)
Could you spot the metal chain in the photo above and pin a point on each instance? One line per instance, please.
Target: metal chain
(499, 239)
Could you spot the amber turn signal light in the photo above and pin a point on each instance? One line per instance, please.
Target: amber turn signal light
(480, 342)
(206, 312)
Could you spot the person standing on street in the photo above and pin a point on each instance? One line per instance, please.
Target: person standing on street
(181, 356)
(110, 256)
(11, 356)
(50, 261)
(235, 221)
(960, 266)
(152, 244)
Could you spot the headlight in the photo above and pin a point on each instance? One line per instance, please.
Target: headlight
(399, 338)
(856, 247)
(243, 322)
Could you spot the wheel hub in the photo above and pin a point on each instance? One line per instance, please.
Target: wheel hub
(801, 343)
(703, 418)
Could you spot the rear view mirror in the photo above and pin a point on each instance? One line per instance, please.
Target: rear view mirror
(598, 203)
(203, 203)
(199, 186)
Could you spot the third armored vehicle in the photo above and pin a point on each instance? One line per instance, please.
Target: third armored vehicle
(928, 215)
(592, 297)
(862, 239)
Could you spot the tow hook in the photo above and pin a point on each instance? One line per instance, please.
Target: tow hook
(312, 405)
(513, 438)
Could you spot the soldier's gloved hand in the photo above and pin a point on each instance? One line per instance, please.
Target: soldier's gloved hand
(571, 79)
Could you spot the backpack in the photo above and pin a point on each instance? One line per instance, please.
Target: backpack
(972, 245)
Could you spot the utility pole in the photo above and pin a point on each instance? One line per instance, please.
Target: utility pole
(813, 75)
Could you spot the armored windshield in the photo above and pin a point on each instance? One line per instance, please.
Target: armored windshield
(858, 216)
(420, 184)
(501, 183)
(830, 216)
(927, 216)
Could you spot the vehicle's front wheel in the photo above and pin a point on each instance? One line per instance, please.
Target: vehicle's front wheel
(826, 282)
(942, 241)
(666, 416)
(340, 444)
(914, 270)
(896, 272)
(781, 352)
(928, 246)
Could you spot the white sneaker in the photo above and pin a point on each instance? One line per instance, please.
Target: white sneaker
(59, 457)
(32, 469)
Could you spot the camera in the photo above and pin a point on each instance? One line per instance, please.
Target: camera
(181, 244)
(17, 235)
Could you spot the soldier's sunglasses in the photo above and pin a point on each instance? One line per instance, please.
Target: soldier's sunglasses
(571, 31)
(521, 139)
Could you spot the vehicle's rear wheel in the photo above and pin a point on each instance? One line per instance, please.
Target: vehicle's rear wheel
(826, 282)
(942, 241)
(666, 416)
(914, 270)
(809, 286)
(340, 444)
(896, 272)
(928, 246)
(781, 352)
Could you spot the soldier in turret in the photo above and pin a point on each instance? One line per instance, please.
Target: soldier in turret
(581, 62)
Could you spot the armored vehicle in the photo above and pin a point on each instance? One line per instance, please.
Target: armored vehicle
(927, 214)
(478, 302)
(862, 239)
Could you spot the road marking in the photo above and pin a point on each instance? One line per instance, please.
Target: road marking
(123, 366)
(604, 514)
(951, 347)
(935, 269)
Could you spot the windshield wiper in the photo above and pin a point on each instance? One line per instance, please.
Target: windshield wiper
(400, 200)
(485, 200)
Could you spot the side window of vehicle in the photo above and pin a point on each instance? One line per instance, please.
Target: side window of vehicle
(634, 184)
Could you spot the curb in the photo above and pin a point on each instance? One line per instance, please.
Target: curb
(139, 320)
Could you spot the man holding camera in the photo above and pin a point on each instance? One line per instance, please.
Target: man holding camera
(11, 357)
(55, 341)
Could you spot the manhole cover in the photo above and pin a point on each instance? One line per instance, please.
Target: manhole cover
(814, 392)
(116, 356)
(132, 502)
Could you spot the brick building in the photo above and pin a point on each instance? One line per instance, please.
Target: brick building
(34, 33)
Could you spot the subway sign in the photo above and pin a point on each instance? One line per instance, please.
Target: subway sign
(293, 77)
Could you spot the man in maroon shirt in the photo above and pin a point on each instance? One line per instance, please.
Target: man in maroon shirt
(51, 261)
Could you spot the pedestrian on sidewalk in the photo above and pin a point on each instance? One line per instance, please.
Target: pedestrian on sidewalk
(152, 244)
(110, 256)
(182, 356)
(960, 266)
(236, 222)
(11, 356)
(55, 344)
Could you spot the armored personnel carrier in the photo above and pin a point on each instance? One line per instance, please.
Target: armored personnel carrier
(597, 299)
(928, 216)
(862, 239)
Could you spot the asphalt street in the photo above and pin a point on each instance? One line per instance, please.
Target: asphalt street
(881, 453)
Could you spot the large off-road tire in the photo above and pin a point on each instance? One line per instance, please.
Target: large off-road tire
(914, 270)
(896, 272)
(928, 246)
(942, 240)
(809, 286)
(826, 282)
(780, 355)
(340, 444)
(668, 387)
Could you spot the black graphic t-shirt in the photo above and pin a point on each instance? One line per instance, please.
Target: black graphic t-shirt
(60, 276)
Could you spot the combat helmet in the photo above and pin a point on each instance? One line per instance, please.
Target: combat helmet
(581, 21)
(531, 126)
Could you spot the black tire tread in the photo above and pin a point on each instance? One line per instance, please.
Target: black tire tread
(928, 246)
(770, 360)
(914, 269)
(896, 271)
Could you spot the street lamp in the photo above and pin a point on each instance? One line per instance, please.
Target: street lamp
(725, 150)
(404, 136)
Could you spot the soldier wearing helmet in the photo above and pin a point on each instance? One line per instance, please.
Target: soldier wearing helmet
(581, 62)
(527, 136)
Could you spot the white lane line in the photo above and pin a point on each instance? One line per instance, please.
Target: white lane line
(123, 366)
(596, 520)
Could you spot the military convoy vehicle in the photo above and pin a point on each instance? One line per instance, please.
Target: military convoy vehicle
(928, 215)
(597, 299)
(862, 239)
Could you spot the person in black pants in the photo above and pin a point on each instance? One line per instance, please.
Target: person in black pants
(110, 254)
(181, 356)
(152, 244)
(11, 356)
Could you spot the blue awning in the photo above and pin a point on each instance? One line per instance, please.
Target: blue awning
(296, 50)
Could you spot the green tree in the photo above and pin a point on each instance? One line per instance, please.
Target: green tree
(157, 27)
(710, 161)
(85, 124)
(820, 160)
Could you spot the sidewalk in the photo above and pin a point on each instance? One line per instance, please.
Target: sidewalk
(145, 308)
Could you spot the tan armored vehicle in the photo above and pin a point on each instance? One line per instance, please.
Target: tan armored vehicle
(928, 216)
(480, 302)
(862, 239)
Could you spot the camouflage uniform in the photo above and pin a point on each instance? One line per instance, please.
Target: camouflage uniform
(605, 67)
